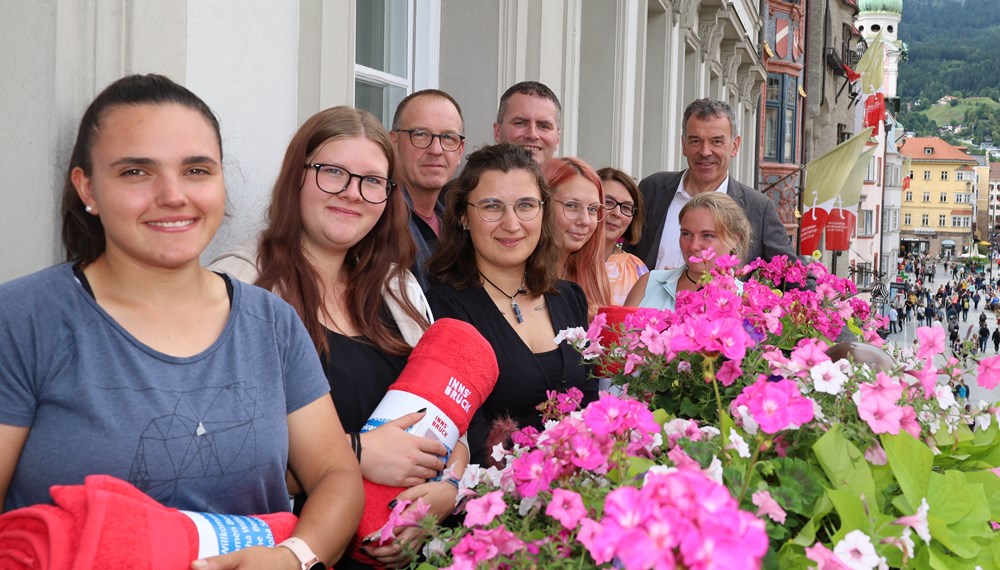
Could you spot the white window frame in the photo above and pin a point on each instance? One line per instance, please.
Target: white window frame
(423, 54)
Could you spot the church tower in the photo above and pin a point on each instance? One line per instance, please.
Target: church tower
(876, 16)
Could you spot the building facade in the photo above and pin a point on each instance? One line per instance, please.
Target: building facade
(781, 108)
(832, 42)
(876, 250)
(624, 72)
(939, 204)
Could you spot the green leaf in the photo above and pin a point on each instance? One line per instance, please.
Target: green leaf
(798, 486)
(911, 463)
(845, 466)
(851, 511)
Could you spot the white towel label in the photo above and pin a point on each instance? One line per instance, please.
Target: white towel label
(222, 534)
(434, 425)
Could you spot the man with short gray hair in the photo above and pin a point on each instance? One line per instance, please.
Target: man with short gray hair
(710, 139)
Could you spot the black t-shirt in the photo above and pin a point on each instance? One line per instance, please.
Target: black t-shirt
(524, 376)
(359, 376)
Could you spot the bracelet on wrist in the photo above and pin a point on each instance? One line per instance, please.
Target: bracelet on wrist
(356, 445)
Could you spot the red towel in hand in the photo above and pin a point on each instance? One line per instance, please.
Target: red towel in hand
(36, 538)
(610, 334)
(108, 523)
(450, 372)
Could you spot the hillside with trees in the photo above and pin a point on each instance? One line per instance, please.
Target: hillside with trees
(952, 51)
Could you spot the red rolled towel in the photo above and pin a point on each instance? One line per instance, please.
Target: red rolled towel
(119, 526)
(610, 334)
(36, 538)
(451, 371)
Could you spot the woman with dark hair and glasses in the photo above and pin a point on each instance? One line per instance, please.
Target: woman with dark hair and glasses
(132, 360)
(623, 225)
(337, 248)
(496, 267)
(578, 204)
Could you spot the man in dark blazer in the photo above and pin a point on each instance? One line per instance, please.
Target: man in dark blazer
(709, 139)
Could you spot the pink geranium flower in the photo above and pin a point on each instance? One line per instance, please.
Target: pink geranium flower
(729, 372)
(930, 342)
(566, 507)
(606, 416)
(809, 353)
(482, 511)
(776, 405)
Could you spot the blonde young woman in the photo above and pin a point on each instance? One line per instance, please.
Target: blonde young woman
(709, 221)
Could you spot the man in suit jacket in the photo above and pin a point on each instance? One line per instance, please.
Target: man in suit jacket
(710, 140)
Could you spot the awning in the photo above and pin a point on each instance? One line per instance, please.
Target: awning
(950, 242)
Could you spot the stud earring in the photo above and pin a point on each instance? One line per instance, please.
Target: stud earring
(89, 209)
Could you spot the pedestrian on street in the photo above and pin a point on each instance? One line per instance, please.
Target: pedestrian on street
(996, 339)
(894, 321)
(984, 336)
(976, 299)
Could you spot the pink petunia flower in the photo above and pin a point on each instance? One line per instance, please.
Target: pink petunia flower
(918, 521)
(930, 342)
(857, 551)
(593, 538)
(824, 558)
(881, 414)
(482, 511)
(926, 376)
(989, 372)
(766, 505)
(533, 472)
(404, 514)
(566, 507)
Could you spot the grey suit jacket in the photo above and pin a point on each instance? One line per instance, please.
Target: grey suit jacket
(658, 190)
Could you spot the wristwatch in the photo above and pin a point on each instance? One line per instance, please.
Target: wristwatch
(307, 558)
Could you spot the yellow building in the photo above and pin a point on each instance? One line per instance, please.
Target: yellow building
(939, 203)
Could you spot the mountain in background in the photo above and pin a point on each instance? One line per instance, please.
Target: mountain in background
(953, 50)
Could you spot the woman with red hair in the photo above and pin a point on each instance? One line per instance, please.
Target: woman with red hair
(578, 200)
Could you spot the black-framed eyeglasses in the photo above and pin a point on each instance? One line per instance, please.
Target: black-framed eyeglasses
(573, 210)
(334, 179)
(627, 208)
(492, 210)
(421, 138)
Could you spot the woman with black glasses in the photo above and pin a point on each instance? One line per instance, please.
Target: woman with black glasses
(623, 225)
(496, 267)
(578, 202)
(337, 248)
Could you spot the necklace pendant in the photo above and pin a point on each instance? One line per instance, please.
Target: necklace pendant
(517, 311)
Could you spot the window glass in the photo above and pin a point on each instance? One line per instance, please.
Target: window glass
(771, 133)
(383, 49)
(382, 36)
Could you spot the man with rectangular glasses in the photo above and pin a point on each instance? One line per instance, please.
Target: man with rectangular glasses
(427, 136)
